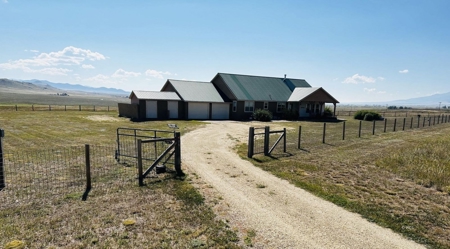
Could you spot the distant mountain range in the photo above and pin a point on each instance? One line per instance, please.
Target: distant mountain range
(11, 85)
(77, 87)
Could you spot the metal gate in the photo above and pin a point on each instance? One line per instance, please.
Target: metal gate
(259, 142)
(155, 150)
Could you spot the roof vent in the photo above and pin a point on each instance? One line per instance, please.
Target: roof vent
(284, 77)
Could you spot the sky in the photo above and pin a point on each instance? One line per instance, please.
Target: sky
(358, 51)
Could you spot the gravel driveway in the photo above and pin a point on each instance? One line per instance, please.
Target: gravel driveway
(280, 214)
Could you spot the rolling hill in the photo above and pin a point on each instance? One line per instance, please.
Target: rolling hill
(77, 87)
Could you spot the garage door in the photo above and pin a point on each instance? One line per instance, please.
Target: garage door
(151, 108)
(220, 111)
(172, 106)
(198, 110)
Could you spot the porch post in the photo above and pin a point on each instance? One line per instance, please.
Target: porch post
(334, 112)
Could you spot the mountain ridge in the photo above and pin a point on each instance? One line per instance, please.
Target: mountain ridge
(78, 87)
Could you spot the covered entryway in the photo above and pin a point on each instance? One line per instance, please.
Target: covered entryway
(220, 111)
(198, 110)
(151, 109)
(172, 107)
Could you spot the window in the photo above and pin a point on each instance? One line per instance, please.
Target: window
(266, 105)
(249, 106)
(281, 106)
(308, 108)
(234, 105)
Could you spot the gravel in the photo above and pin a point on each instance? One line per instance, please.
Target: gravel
(280, 214)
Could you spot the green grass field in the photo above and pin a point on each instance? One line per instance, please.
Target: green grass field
(398, 180)
(168, 212)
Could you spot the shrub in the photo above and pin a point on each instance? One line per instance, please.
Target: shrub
(327, 112)
(290, 114)
(262, 115)
(367, 115)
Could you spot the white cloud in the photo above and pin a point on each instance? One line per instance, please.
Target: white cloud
(69, 56)
(404, 71)
(120, 73)
(381, 78)
(101, 80)
(356, 79)
(157, 74)
(87, 66)
(369, 90)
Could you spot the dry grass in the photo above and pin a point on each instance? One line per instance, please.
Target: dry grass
(398, 180)
(169, 212)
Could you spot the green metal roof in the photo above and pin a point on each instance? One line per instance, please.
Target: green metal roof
(196, 91)
(260, 88)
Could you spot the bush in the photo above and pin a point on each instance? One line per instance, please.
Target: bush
(327, 112)
(262, 115)
(367, 115)
(290, 114)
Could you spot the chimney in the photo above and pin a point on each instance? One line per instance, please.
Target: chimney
(284, 77)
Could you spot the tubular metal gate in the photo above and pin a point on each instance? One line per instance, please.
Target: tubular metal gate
(152, 149)
(259, 142)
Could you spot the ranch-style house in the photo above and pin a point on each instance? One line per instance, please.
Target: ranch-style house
(228, 96)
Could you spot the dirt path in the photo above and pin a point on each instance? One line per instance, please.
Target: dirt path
(280, 214)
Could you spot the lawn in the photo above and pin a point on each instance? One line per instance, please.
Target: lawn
(168, 212)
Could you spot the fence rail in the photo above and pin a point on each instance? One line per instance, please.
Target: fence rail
(37, 107)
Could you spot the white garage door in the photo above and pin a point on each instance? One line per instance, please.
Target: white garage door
(172, 106)
(151, 108)
(198, 110)
(220, 111)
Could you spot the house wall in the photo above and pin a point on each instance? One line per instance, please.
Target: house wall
(223, 89)
(162, 109)
(134, 99)
(128, 110)
(319, 96)
(142, 110)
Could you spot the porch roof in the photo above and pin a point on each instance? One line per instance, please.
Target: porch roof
(311, 94)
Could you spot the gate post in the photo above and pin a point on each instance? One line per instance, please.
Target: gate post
(373, 127)
(359, 130)
(343, 130)
(139, 155)
(251, 140)
(266, 140)
(404, 121)
(324, 132)
(299, 136)
(385, 123)
(177, 154)
(395, 124)
(284, 140)
(2, 172)
(87, 154)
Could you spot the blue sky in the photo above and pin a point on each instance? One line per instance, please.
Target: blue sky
(357, 50)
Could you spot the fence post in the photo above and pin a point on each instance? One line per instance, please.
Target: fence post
(2, 171)
(88, 171)
(404, 121)
(373, 128)
(284, 140)
(177, 154)
(299, 136)
(429, 121)
(343, 131)
(434, 119)
(65, 107)
(251, 139)
(324, 132)
(266, 140)
(359, 132)
(423, 125)
(49, 107)
(385, 124)
(108, 108)
(94, 108)
(395, 124)
(79, 108)
(139, 155)
(411, 124)
(16, 108)
(32, 107)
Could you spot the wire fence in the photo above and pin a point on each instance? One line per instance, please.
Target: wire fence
(398, 113)
(63, 172)
(58, 108)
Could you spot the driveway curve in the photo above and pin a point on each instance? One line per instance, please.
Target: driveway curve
(280, 214)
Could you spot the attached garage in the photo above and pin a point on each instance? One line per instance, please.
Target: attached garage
(151, 107)
(198, 110)
(220, 111)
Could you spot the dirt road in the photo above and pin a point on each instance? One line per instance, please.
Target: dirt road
(280, 214)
